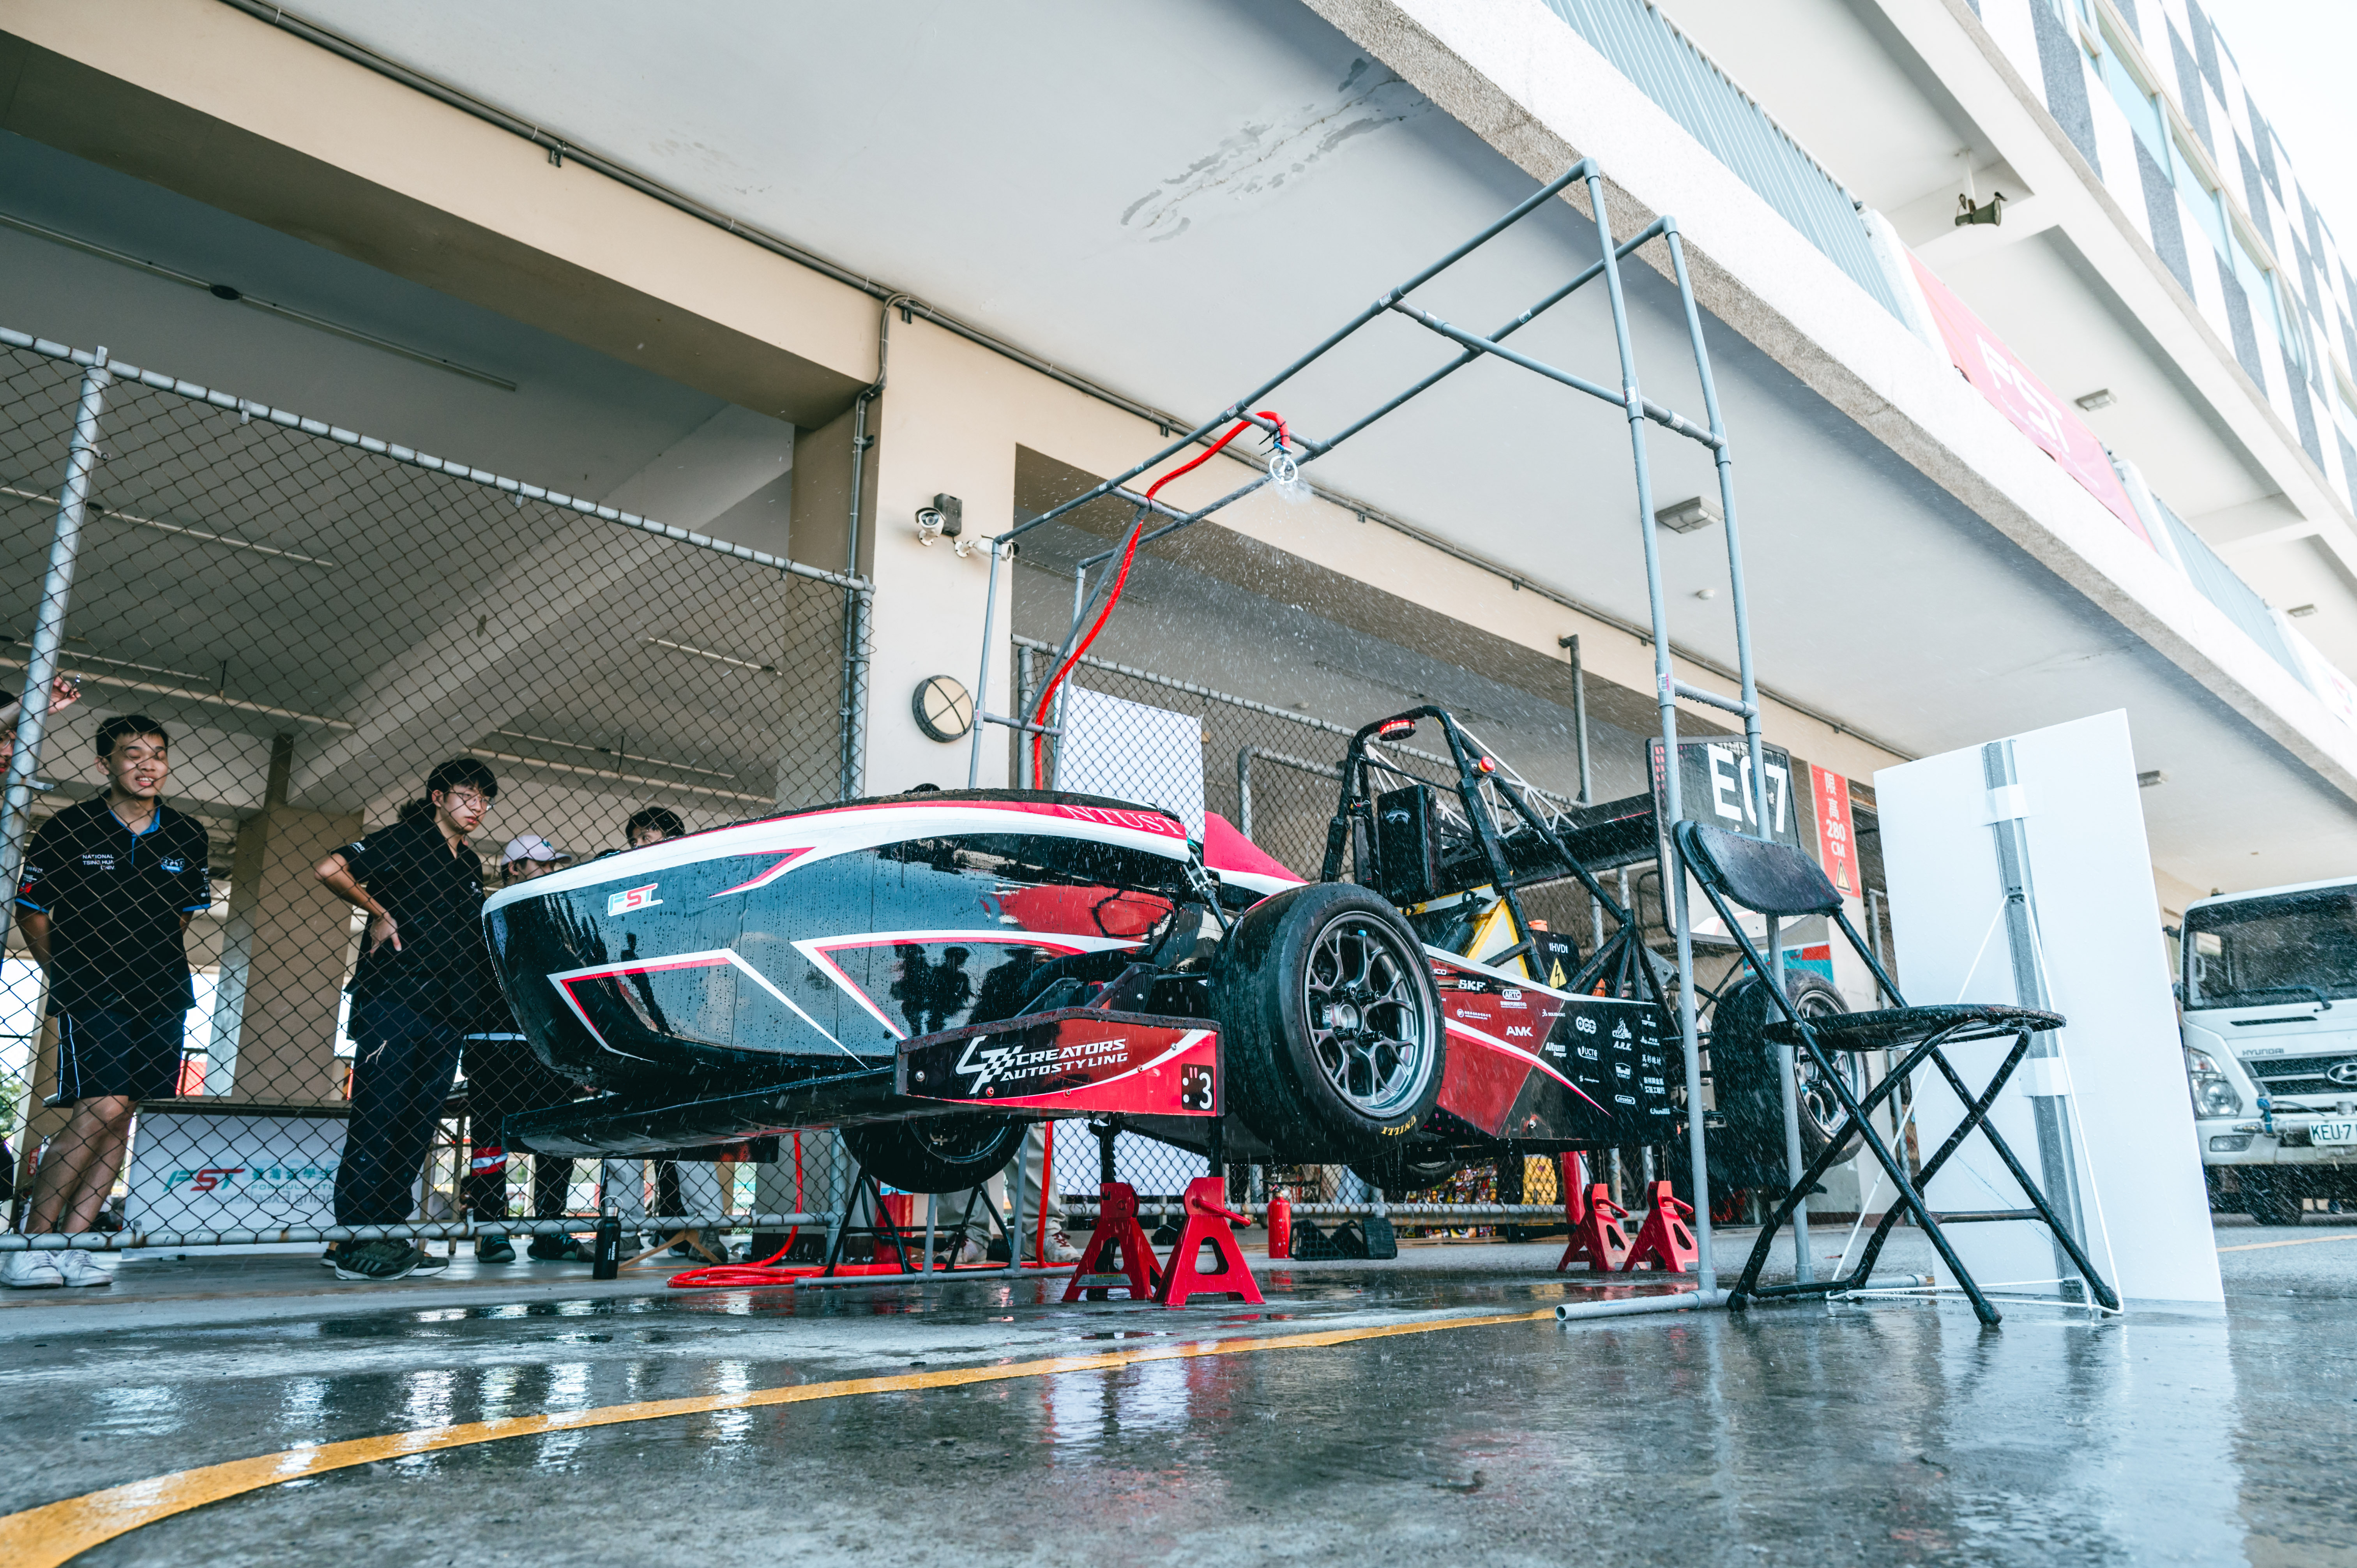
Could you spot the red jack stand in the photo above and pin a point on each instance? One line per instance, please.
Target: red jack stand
(1598, 1234)
(1208, 1221)
(1118, 1256)
(1663, 1241)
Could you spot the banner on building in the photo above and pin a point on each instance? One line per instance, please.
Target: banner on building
(2022, 398)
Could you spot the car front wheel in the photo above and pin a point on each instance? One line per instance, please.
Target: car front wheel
(1331, 1024)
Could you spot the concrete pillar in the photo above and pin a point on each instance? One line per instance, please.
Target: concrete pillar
(284, 953)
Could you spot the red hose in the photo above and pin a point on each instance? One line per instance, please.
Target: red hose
(1136, 532)
(760, 1274)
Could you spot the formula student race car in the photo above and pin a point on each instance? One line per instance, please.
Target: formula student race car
(930, 973)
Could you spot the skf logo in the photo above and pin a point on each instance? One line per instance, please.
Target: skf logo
(630, 898)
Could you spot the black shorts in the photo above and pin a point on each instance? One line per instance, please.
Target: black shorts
(103, 1054)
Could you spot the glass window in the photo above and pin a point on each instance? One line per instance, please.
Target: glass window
(2294, 947)
(2201, 198)
(2142, 110)
(2259, 285)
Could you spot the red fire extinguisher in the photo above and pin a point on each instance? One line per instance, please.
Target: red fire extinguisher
(1280, 1226)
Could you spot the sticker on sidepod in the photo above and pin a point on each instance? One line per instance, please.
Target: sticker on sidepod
(1080, 1061)
(630, 898)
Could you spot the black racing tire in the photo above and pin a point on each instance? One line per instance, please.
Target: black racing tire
(2269, 1198)
(935, 1153)
(1331, 1024)
(1416, 1167)
(1744, 1088)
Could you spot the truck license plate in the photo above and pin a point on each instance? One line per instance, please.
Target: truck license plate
(2332, 1131)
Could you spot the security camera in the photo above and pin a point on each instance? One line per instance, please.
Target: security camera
(945, 519)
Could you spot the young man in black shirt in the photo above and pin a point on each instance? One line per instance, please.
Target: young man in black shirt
(108, 887)
(425, 978)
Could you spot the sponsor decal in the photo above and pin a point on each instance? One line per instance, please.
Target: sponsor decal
(630, 898)
(1522, 1029)
(99, 862)
(175, 865)
(990, 1065)
(216, 1178)
(1584, 1024)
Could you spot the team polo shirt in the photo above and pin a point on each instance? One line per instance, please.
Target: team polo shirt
(436, 899)
(115, 900)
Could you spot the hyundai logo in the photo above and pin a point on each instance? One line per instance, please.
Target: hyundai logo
(2342, 1072)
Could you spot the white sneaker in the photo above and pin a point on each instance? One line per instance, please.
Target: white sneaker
(31, 1271)
(81, 1269)
(1060, 1249)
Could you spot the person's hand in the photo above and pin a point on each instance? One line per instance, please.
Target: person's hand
(380, 930)
(64, 692)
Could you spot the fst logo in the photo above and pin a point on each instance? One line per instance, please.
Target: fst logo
(203, 1180)
(630, 898)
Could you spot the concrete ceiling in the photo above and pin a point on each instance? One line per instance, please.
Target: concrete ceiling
(1175, 199)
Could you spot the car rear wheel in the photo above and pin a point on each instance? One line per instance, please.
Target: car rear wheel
(1745, 1086)
(935, 1153)
(1332, 1023)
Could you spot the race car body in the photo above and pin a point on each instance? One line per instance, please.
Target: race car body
(973, 960)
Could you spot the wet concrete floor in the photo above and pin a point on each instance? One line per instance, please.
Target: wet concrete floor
(1891, 1432)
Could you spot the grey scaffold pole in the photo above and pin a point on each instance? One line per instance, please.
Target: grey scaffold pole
(1666, 683)
(50, 628)
(1739, 608)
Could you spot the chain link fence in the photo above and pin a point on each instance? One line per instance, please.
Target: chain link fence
(317, 620)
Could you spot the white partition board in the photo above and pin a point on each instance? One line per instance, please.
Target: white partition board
(1131, 751)
(2097, 922)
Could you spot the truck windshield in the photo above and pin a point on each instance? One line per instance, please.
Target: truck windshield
(2291, 948)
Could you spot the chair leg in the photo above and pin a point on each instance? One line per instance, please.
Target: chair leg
(1973, 1110)
(1747, 1284)
(1891, 1168)
(2031, 1190)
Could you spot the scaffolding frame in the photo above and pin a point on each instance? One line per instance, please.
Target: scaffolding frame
(1639, 410)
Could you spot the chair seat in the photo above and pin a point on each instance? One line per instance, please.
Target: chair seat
(1896, 1028)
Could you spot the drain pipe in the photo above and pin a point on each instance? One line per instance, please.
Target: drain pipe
(49, 624)
(852, 712)
(1630, 1306)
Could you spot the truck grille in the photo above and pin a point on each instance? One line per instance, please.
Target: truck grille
(2302, 1075)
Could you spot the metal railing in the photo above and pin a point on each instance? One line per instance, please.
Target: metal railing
(1644, 46)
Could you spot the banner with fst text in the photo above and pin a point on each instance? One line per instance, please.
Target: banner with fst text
(225, 1170)
(2022, 398)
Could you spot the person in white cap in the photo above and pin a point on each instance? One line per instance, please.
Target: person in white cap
(529, 855)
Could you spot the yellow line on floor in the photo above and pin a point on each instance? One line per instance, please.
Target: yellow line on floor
(2303, 1241)
(56, 1532)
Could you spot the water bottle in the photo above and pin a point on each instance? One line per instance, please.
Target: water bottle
(607, 1261)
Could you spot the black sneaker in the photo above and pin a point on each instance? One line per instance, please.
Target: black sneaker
(557, 1249)
(430, 1263)
(376, 1260)
(494, 1250)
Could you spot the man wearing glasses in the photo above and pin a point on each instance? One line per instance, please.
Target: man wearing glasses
(425, 977)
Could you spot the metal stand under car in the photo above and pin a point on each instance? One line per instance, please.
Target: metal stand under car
(1289, 453)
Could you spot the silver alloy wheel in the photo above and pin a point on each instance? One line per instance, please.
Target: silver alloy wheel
(1820, 1109)
(1368, 1032)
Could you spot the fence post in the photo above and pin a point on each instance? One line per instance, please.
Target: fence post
(48, 632)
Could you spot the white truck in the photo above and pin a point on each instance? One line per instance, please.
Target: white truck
(2269, 1000)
